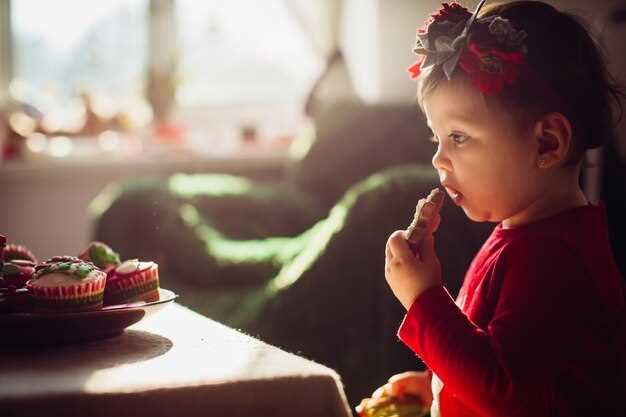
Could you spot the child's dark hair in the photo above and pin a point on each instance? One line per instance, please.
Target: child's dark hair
(567, 73)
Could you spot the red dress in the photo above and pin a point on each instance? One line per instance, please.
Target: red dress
(540, 331)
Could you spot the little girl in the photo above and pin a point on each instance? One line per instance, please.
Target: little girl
(514, 95)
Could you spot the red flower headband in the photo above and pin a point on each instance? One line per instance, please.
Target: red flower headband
(489, 49)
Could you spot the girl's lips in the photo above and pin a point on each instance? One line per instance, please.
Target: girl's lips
(456, 196)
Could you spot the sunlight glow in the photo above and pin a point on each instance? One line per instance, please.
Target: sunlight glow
(37, 142)
(243, 49)
(60, 146)
(70, 19)
(184, 185)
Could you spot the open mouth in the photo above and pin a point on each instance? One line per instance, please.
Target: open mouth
(455, 195)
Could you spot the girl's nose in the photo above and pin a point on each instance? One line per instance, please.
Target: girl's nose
(440, 160)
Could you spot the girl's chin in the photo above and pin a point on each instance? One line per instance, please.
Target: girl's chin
(477, 215)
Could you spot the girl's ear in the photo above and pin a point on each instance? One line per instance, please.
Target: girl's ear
(554, 140)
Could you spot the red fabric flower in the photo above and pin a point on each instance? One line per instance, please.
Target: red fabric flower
(490, 68)
(415, 69)
(440, 22)
(452, 12)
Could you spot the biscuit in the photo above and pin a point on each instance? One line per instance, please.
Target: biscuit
(424, 220)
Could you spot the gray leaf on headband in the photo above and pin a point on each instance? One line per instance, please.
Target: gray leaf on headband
(504, 31)
(422, 41)
(439, 52)
(449, 28)
(450, 64)
(445, 49)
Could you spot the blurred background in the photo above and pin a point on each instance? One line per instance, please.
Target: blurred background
(127, 87)
(248, 146)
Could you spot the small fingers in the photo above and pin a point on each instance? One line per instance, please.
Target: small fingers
(399, 246)
(382, 391)
(411, 383)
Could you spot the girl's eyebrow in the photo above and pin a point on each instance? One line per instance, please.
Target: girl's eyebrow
(454, 120)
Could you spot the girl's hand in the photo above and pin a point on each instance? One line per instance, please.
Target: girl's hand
(410, 274)
(407, 383)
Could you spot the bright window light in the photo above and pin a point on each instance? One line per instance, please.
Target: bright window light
(63, 47)
(242, 52)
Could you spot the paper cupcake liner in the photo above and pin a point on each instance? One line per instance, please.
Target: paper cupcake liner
(93, 302)
(66, 292)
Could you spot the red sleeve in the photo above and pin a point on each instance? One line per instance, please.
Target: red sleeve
(540, 308)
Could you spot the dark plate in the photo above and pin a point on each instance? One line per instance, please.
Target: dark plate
(50, 328)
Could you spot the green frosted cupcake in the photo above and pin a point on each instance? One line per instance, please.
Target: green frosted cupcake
(66, 284)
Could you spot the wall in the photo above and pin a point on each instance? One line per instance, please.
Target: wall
(377, 41)
(399, 20)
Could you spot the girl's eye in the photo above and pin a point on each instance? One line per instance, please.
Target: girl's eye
(457, 138)
(433, 139)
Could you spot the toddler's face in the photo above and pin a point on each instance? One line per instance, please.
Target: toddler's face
(486, 164)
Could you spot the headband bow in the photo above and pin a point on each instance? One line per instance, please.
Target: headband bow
(489, 49)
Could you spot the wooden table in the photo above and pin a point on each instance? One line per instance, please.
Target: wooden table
(176, 363)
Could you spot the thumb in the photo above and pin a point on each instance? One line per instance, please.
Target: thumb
(426, 250)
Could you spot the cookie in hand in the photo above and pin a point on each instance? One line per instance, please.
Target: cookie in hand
(426, 218)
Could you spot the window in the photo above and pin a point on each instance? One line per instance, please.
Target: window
(242, 66)
(242, 52)
(64, 47)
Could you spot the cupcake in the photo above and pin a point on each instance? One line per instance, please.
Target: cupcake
(132, 281)
(14, 298)
(65, 284)
(101, 255)
(13, 251)
(16, 273)
(13, 276)
(3, 242)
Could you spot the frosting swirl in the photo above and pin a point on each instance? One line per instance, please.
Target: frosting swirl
(66, 265)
